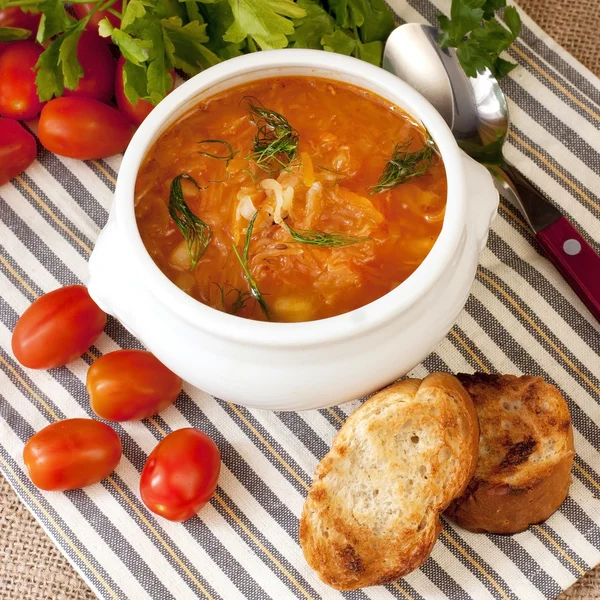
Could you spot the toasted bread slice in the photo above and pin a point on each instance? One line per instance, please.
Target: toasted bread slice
(372, 513)
(525, 454)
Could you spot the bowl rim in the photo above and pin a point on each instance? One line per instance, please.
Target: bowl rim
(307, 333)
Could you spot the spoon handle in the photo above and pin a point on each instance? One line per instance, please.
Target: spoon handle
(574, 258)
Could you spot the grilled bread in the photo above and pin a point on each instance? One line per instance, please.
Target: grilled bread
(372, 513)
(525, 454)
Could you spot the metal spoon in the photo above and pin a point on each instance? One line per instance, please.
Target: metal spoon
(477, 113)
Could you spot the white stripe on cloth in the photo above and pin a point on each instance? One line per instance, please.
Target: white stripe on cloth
(567, 197)
(494, 556)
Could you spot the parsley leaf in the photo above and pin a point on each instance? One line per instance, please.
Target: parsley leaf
(54, 20)
(134, 50)
(339, 41)
(377, 20)
(478, 38)
(135, 82)
(359, 29)
(49, 78)
(58, 66)
(310, 29)
(13, 34)
(343, 42)
(219, 18)
(185, 44)
(513, 20)
(371, 52)
(67, 56)
(135, 10)
(491, 6)
(465, 15)
(265, 21)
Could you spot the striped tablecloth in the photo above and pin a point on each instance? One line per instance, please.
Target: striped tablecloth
(520, 318)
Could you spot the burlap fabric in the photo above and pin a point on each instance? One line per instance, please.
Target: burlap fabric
(574, 25)
(31, 568)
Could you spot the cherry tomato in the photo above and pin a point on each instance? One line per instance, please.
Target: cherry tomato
(57, 328)
(129, 385)
(98, 66)
(15, 17)
(83, 128)
(81, 10)
(18, 92)
(137, 112)
(180, 475)
(71, 454)
(17, 149)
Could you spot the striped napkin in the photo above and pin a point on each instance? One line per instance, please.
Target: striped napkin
(520, 318)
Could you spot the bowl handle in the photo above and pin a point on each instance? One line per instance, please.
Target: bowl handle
(482, 200)
(107, 283)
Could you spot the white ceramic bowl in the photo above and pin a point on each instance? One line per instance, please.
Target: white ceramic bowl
(294, 366)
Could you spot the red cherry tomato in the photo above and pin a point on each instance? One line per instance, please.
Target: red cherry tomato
(83, 128)
(18, 92)
(129, 385)
(71, 454)
(57, 328)
(15, 17)
(81, 10)
(17, 149)
(181, 474)
(98, 66)
(137, 112)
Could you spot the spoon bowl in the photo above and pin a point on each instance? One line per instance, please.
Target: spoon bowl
(474, 108)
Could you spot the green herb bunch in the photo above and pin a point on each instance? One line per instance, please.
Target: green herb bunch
(478, 37)
(158, 36)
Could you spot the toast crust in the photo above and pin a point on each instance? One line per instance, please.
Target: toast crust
(525, 454)
(372, 513)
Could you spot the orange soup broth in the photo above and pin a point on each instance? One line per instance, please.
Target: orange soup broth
(346, 137)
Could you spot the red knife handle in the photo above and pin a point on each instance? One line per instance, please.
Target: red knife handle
(575, 259)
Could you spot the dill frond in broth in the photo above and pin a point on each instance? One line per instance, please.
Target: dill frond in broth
(196, 233)
(239, 301)
(226, 157)
(243, 260)
(323, 239)
(405, 165)
(275, 145)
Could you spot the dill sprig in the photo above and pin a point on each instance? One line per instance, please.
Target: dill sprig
(405, 165)
(330, 170)
(239, 301)
(323, 239)
(275, 145)
(226, 157)
(333, 172)
(196, 233)
(243, 260)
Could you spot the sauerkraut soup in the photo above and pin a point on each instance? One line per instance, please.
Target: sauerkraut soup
(291, 199)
